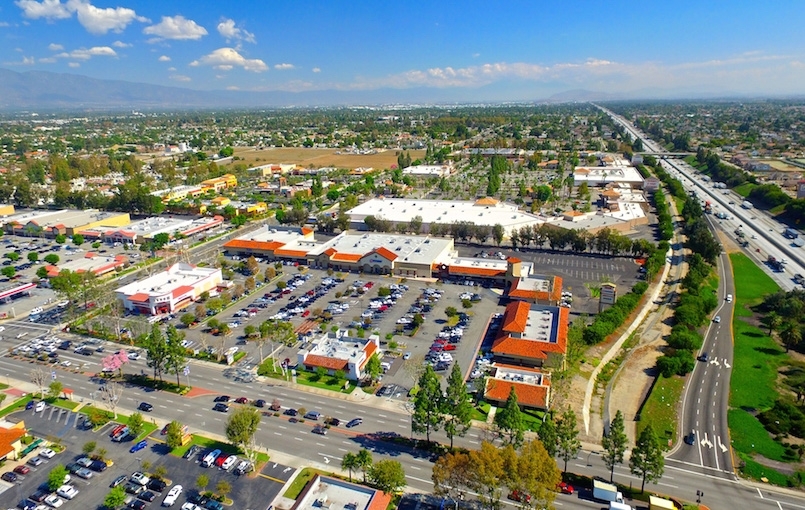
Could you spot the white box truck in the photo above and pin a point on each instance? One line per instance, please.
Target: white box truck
(614, 505)
(746, 204)
(604, 491)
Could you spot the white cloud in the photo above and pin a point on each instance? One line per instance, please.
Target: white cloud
(48, 9)
(176, 27)
(121, 44)
(316, 70)
(99, 21)
(284, 66)
(86, 54)
(171, 69)
(74, 64)
(233, 87)
(225, 59)
(164, 58)
(55, 47)
(180, 77)
(230, 32)
(4, 24)
(26, 61)
(47, 60)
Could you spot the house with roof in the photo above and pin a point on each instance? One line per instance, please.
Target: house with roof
(176, 288)
(328, 493)
(338, 352)
(11, 435)
(531, 385)
(531, 288)
(218, 184)
(532, 335)
(92, 262)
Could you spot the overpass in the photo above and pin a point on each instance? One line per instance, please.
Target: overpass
(668, 155)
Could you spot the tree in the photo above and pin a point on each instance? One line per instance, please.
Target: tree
(488, 473)
(115, 498)
(614, 444)
(509, 421)
(497, 233)
(567, 437)
(349, 462)
(388, 476)
(187, 319)
(773, 321)
(647, 461)
(547, 434)
(89, 447)
(223, 488)
(427, 415)
(532, 472)
(364, 459)
(38, 377)
(456, 407)
(374, 367)
(78, 239)
(175, 352)
(8, 272)
(61, 239)
(52, 259)
(174, 435)
(242, 425)
(54, 389)
(451, 475)
(200, 312)
(156, 351)
(110, 394)
(790, 334)
(136, 424)
(56, 477)
(252, 267)
(202, 481)
(42, 272)
(33, 256)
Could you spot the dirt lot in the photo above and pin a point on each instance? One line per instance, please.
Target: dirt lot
(319, 157)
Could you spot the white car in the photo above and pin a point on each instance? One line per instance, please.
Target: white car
(190, 506)
(54, 501)
(40, 406)
(133, 355)
(67, 491)
(172, 496)
(140, 478)
(47, 453)
(229, 462)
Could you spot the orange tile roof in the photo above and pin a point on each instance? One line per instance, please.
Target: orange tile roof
(486, 201)
(538, 295)
(329, 251)
(531, 348)
(306, 231)
(386, 253)
(314, 360)
(140, 297)
(528, 395)
(8, 437)
(178, 291)
(290, 253)
(513, 260)
(369, 349)
(347, 257)
(515, 317)
(52, 271)
(476, 271)
(254, 245)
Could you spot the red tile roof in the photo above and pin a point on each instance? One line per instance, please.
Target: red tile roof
(515, 317)
(290, 253)
(140, 297)
(513, 260)
(7, 439)
(369, 349)
(314, 360)
(528, 348)
(180, 291)
(329, 251)
(347, 257)
(538, 295)
(306, 230)
(476, 271)
(385, 253)
(528, 395)
(254, 245)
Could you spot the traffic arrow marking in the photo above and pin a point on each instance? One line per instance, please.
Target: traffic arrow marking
(727, 365)
(721, 445)
(705, 442)
(714, 361)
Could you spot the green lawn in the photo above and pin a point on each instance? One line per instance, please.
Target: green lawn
(327, 382)
(65, 404)
(212, 444)
(301, 480)
(744, 189)
(148, 429)
(756, 355)
(752, 469)
(748, 436)
(17, 404)
(660, 410)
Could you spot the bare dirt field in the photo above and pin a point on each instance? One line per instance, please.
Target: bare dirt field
(318, 158)
(781, 166)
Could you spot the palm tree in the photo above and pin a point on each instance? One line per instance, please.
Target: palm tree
(350, 463)
(364, 461)
(773, 321)
(790, 334)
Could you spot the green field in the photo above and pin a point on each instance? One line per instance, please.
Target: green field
(660, 409)
(744, 189)
(748, 436)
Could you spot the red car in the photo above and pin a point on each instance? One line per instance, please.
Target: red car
(220, 460)
(564, 488)
(440, 341)
(520, 497)
(449, 347)
(242, 400)
(305, 313)
(22, 470)
(369, 285)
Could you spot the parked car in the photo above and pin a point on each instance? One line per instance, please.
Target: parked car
(84, 473)
(117, 481)
(157, 485)
(172, 496)
(192, 452)
(139, 446)
(139, 478)
(47, 453)
(209, 459)
(9, 476)
(22, 470)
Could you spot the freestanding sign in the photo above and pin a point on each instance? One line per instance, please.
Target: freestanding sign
(609, 294)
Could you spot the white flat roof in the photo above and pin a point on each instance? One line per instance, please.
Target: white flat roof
(408, 248)
(509, 373)
(333, 494)
(343, 347)
(542, 323)
(178, 275)
(482, 212)
(439, 170)
(603, 174)
(490, 263)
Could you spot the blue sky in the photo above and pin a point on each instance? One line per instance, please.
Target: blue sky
(488, 50)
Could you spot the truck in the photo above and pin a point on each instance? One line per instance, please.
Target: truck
(790, 233)
(775, 264)
(746, 204)
(708, 207)
(657, 503)
(604, 491)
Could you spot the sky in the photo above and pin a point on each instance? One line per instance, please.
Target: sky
(488, 50)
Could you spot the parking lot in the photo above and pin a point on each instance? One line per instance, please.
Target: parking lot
(255, 491)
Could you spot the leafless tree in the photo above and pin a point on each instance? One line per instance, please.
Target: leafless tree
(39, 378)
(111, 394)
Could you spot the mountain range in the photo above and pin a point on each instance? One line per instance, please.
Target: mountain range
(42, 90)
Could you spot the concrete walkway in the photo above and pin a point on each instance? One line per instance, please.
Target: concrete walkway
(616, 347)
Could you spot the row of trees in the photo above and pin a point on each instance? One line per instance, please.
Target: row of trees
(386, 475)
(605, 241)
(434, 408)
(606, 322)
